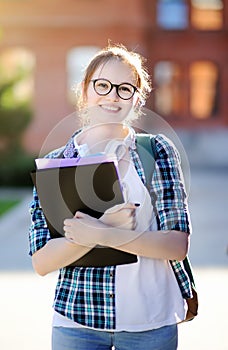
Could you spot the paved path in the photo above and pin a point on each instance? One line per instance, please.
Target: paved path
(26, 298)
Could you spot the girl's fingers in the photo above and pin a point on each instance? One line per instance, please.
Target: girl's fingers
(67, 222)
(80, 215)
(122, 206)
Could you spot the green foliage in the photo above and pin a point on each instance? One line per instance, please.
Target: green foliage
(15, 167)
(15, 115)
(6, 205)
(13, 121)
(15, 163)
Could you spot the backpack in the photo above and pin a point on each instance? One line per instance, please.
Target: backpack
(147, 153)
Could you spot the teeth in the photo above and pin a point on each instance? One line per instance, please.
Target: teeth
(111, 108)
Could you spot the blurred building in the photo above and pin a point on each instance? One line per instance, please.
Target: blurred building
(185, 43)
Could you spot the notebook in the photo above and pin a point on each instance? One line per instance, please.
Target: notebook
(89, 185)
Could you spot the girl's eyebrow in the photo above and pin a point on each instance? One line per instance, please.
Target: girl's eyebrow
(122, 82)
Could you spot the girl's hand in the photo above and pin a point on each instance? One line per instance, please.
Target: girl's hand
(83, 229)
(87, 231)
(121, 215)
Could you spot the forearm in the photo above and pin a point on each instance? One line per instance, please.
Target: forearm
(57, 253)
(168, 245)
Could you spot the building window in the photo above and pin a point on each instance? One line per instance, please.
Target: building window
(168, 91)
(203, 89)
(172, 14)
(207, 14)
(77, 59)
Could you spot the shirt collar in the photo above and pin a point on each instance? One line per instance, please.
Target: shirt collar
(74, 148)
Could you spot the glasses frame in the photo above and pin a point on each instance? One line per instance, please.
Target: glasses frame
(117, 86)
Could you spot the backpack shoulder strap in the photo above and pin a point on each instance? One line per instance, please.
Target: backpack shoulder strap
(147, 153)
(188, 269)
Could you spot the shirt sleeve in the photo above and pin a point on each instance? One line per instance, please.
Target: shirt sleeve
(168, 189)
(39, 233)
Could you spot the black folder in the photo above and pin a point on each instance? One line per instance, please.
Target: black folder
(90, 188)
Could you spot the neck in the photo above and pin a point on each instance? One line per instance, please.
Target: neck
(97, 136)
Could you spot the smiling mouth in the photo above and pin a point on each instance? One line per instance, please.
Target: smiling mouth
(110, 108)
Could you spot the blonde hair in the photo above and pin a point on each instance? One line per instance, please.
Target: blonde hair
(119, 52)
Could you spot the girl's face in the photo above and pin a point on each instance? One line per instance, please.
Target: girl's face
(111, 107)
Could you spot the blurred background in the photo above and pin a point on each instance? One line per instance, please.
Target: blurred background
(44, 46)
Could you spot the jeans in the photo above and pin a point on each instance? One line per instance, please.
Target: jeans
(164, 338)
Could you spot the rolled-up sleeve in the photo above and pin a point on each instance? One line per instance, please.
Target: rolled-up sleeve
(168, 189)
(38, 233)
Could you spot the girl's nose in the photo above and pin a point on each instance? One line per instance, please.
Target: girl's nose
(113, 94)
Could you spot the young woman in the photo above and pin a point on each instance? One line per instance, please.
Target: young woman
(130, 306)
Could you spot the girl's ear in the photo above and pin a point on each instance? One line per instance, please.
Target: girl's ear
(83, 93)
(137, 102)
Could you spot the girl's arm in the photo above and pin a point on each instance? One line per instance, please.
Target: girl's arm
(60, 252)
(56, 253)
(169, 245)
(49, 254)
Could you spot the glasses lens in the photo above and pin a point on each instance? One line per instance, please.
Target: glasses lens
(102, 86)
(126, 91)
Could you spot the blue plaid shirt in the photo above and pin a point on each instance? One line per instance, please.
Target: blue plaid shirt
(87, 295)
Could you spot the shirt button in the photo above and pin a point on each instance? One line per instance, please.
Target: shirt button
(111, 274)
(111, 295)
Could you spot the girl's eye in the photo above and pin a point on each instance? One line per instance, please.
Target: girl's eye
(125, 88)
(102, 86)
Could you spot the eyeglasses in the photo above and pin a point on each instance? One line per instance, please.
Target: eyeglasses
(124, 90)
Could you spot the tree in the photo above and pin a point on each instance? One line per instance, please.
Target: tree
(15, 115)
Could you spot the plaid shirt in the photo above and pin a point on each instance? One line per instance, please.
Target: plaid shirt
(87, 295)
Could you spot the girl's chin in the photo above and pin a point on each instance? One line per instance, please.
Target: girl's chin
(102, 117)
(106, 121)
